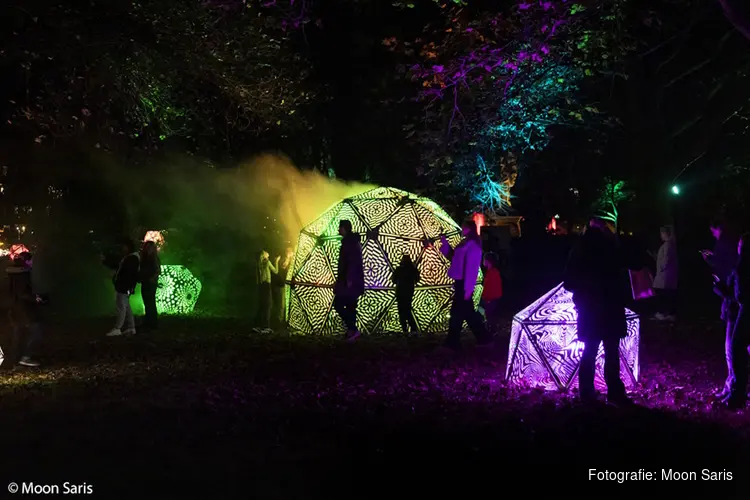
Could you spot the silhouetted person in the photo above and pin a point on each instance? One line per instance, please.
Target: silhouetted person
(279, 281)
(723, 257)
(265, 297)
(406, 276)
(125, 281)
(667, 275)
(735, 292)
(350, 282)
(492, 290)
(594, 275)
(149, 278)
(24, 313)
(464, 270)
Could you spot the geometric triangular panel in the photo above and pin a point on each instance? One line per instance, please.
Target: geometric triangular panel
(545, 350)
(316, 270)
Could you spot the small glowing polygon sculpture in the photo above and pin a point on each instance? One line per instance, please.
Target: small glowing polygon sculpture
(155, 236)
(16, 250)
(545, 350)
(177, 291)
(390, 223)
(2, 356)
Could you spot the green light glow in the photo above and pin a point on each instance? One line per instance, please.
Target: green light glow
(675, 189)
(390, 223)
(178, 290)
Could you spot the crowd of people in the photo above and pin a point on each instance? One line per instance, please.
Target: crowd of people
(594, 274)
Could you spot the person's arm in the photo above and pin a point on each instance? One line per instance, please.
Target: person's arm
(274, 268)
(445, 248)
(472, 261)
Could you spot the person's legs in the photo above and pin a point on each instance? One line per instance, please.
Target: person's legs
(35, 336)
(738, 358)
(129, 318)
(410, 315)
(121, 301)
(731, 380)
(456, 319)
(587, 370)
(404, 313)
(148, 294)
(476, 323)
(615, 387)
(264, 305)
(346, 307)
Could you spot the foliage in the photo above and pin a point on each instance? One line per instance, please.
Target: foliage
(208, 72)
(611, 195)
(497, 83)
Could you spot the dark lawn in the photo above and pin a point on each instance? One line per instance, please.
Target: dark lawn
(206, 407)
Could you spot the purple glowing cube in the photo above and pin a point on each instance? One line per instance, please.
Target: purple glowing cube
(545, 350)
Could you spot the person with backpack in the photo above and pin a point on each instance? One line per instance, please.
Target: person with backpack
(125, 281)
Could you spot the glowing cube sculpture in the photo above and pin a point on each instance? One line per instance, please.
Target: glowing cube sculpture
(177, 291)
(390, 223)
(545, 350)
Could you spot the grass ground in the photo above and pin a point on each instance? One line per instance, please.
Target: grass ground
(207, 408)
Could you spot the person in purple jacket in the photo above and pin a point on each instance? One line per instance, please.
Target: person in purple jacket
(464, 270)
(350, 281)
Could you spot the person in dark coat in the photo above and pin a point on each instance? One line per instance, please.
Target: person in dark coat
(723, 257)
(595, 276)
(24, 313)
(149, 277)
(735, 292)
(125, 281)
(405, 277)
(350, 281)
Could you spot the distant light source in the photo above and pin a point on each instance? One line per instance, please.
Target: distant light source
(675, 189)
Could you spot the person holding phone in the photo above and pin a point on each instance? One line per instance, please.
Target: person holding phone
(735, 294)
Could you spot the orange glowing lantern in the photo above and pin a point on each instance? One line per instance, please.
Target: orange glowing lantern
(17, 250)
(155, 236)
(479, 221)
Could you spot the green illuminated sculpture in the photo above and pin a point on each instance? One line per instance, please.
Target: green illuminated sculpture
(177, 291)
(390, 223)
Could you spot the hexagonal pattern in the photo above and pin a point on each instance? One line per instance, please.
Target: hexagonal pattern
(390, 223)
(545, 350)
(177, 291)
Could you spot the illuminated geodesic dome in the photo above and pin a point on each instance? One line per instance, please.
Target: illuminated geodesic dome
(545, 350)
(390, 223)
(2, 356)
(177, 291)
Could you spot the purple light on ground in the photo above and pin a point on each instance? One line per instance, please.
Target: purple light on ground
(545, 350)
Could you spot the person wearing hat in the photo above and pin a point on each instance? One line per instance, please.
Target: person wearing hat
(595, 276)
